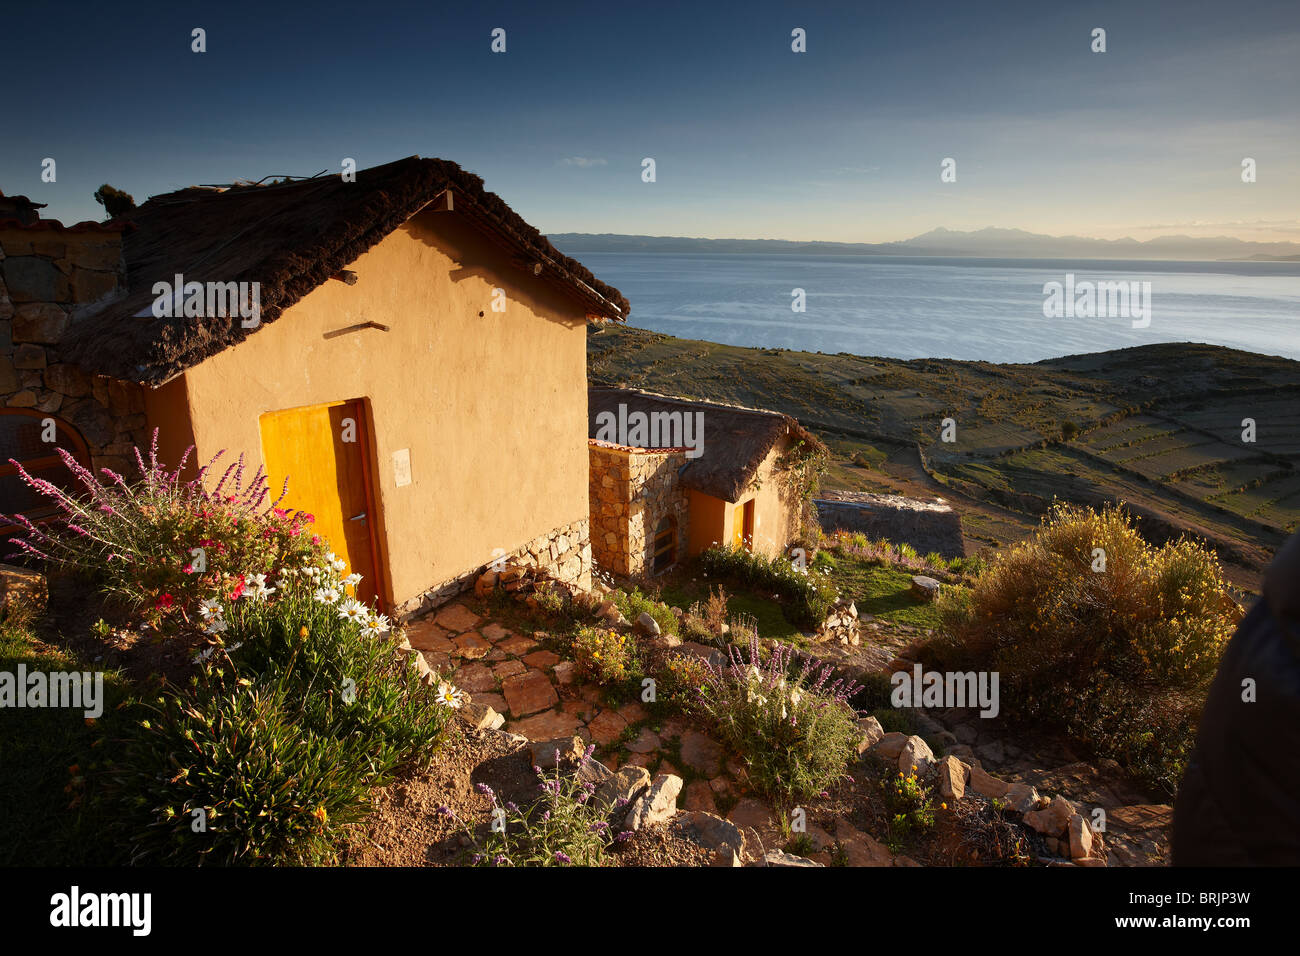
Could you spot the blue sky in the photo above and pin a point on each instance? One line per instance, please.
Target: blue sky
(843, 142)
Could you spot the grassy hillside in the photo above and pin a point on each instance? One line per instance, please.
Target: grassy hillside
(1158, 427)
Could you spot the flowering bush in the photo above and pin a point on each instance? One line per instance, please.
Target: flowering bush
(1085, 645)
(794, 727)
(911, 809)
(606, 656)
(298, 709)
(564, 827)
(162, 543)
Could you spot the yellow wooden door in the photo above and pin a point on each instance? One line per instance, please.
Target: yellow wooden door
(738, 526)
(323, 451)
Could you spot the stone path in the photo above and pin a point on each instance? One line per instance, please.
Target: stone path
(541, 697)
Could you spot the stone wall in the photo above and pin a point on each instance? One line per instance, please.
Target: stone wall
(632, 490)
(925, 525)
(50, 278)
(564, 553)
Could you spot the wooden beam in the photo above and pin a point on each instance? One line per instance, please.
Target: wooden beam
(345, 275)
(355, 328)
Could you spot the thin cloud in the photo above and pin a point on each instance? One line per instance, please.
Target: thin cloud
(583, 162)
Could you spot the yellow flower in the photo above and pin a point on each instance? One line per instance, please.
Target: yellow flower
(320, 814)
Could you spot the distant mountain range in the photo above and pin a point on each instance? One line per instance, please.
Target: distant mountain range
(990, 243)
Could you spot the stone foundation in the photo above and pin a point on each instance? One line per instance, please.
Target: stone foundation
(925, 525)
(564, 554)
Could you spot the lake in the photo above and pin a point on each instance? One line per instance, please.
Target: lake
(962, 308)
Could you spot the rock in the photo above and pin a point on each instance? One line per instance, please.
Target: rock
(481, 717)
(701, 753)
(657, 804)
(1021, 797)
(781, 858)
(610, 614)
(1052, 821)
(647, 624)
(647, 741)
(456, 618)
(23, 584)
(40, 322)
(859, 848)
(890, 746)
(1141, 816)
(713, 833)
(606, 727)
(592, 771)
(529, 693)
(1080, 837)
(924, 588)
(986, 785)
(566, 672)
(543, 752)
(952, 777)
(916, 753)
(698, 795)
(992, 752)
(871, 733)
(624, 785)
(486, 583)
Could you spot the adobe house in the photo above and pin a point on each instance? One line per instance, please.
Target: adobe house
(654, 504)
(416, 364)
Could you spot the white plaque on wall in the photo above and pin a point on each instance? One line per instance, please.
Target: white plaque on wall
(402, 467)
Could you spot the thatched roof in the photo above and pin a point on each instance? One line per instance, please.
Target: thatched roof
(736, 439)
(290, 237)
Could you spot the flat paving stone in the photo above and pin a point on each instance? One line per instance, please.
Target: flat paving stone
(529, 693)
(701, 753)
(647, 741)
(633, 712)
(606, 727)
(542, 659)
(494, 632)
(490, 699)
(699, 796)
(426, 636)
(475, 678)
(509, 669)
(516, 645)
(471, 646)
(456, 618)
(547, 726)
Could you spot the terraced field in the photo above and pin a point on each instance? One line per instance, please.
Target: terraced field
(1158, 428)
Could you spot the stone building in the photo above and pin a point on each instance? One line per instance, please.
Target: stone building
(655, 503)
(415, 345)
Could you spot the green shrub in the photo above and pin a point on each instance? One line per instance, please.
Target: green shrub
(806, 599)
(1089, 650)
(633, 603)
(793, 727)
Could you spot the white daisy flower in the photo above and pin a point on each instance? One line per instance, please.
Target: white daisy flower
(210, 608)
(327, 595)
(353, 610)
(353, 579)
(377, 624)
(449, 696)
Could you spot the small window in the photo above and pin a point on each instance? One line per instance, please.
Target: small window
(23, 438)
(665, 553)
